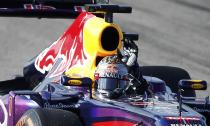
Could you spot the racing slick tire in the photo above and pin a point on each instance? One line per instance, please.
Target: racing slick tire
(49, 117)
(171, 75)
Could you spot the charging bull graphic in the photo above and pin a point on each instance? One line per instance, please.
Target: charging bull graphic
(78, 49)
(69, 47)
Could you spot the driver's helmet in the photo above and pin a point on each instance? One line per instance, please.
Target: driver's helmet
(111, 74)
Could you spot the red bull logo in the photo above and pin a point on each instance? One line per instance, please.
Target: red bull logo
(69, 48)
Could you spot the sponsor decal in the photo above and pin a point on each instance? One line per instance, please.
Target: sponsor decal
(112, 68)
(185, 125)
(197, 86)
(22, 121)
(184, 121)
(69, 47)
(25, 121)
(141, 103)
(38, 7)
(111, 75)
(75, 82)
(59, 106)
(182, 118)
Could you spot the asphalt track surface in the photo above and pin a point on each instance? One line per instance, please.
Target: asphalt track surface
(172, 32)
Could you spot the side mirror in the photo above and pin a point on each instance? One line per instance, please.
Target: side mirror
(82, 82)
(189, 85)
(193, 84)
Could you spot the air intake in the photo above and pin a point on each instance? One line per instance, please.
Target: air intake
(110, 39)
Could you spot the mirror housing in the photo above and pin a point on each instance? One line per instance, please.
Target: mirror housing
(82, 82)
(192, 84)
(186, 84)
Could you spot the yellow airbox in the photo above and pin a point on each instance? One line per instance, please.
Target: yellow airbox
(100, 39)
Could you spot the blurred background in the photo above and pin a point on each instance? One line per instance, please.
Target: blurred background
(172, 32)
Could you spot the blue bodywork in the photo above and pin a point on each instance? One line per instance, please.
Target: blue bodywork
(162, 109)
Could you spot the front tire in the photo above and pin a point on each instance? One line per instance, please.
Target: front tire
(49, 117)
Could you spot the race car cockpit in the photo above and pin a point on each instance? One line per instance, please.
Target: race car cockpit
(113, 79)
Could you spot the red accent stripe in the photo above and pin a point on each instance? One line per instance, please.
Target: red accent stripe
(113, 123)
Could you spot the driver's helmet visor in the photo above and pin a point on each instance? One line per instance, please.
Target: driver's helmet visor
(111, 84)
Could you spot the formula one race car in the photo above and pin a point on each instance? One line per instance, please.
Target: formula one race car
(90, 76)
